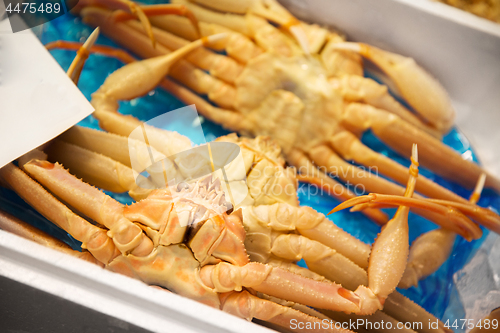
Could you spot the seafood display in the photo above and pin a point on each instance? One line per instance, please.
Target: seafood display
(297, 90)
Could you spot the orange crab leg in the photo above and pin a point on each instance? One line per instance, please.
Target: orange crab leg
(483, 216)
(126, 10)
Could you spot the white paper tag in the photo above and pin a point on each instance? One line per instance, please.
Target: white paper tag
(37, 100)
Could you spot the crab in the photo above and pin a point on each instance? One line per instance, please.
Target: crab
(265, 208)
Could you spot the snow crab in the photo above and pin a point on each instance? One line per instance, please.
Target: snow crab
(132, 234)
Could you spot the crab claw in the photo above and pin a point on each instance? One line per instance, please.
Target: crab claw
(136, 79)
(413, 82)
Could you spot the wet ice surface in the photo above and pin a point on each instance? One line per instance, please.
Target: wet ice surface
(478, 282)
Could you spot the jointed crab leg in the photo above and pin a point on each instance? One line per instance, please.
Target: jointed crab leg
(82, 54)
(351, 148)
(379, 124)
(127, 236)
(399, 135)
(100, 170)
(307, 222)
(389, 252)
(355, 88)
(16, 226)
(162, 9)
(329, 185)
(279, 283)
(269, 9)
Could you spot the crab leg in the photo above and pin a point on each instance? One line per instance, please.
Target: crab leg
(245, 305)
(16, 226)
(309, 173)
(483, 216)
(126, 10)
(389, 252)
(217, 90)
(92, 237)
(219, 66)
(428, 145)
(268, 9)
(413, 83)
(427, 253)
(100, 170)
(400, 135)
(82, 54)
(127, 236)
(125, 5)
(161, 9)
(320, 259)
(355, 88)
(351, 148)
(309, 223)
(108, 144)
(430, 250)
